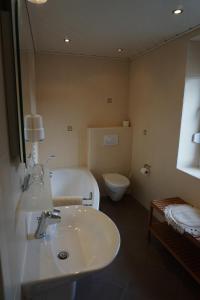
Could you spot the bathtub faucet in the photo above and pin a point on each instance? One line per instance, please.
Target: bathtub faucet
(46, 218)
(90, 197)
(86, 199)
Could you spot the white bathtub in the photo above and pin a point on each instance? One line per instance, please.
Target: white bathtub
(75, 182)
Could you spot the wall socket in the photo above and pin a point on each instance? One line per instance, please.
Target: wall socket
(109, 100)
(145, 131)
(69, 128)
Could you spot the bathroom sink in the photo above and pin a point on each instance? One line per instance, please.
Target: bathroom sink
(88, 237)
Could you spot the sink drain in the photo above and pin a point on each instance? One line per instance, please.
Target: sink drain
(63, 254)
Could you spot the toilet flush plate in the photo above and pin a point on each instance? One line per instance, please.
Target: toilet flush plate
(111, 140)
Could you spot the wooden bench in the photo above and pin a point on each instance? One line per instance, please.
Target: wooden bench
(184, 247)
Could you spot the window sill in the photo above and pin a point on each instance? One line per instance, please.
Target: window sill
(195, 172)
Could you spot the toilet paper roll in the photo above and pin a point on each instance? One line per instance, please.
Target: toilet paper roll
(145, 171)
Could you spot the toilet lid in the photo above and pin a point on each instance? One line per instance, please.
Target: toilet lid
(117, 180)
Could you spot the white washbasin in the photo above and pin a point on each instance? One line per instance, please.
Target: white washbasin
(89, 236)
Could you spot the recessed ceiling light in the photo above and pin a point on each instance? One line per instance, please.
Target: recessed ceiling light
(67, 40)
(38, 1)
(177, 11)
(120, 50)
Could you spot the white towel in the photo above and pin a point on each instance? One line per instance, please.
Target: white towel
(67, 200)
(183, 218)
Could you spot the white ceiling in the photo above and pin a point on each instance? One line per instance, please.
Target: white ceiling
(99, 27)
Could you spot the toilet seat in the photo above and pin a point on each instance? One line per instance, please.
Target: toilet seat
(116, 180)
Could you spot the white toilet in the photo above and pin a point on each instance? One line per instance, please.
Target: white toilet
(116, 185)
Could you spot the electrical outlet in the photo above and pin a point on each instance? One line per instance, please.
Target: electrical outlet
(145, 131)
(69, 128)
(109, 100)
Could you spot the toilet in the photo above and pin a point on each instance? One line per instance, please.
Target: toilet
(116, 185)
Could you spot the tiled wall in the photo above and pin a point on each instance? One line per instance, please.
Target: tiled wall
(81, 92)
(156, 96)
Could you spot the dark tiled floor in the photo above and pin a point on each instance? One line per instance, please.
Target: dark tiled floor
(141, 271)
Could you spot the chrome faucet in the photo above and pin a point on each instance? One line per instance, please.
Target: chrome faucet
(46, 218)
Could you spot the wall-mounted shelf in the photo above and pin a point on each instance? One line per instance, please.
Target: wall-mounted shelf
(184, 248)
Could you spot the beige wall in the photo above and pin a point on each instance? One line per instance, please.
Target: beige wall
(73, 90)
(193, 65)
(156, 95)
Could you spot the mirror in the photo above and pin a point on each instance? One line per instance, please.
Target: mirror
(11, 91)
(26, 64)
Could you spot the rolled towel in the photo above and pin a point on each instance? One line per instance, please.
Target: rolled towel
(67, 200)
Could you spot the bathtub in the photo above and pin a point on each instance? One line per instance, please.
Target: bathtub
(75, 182)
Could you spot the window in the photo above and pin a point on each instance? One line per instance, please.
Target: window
(189, 151)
